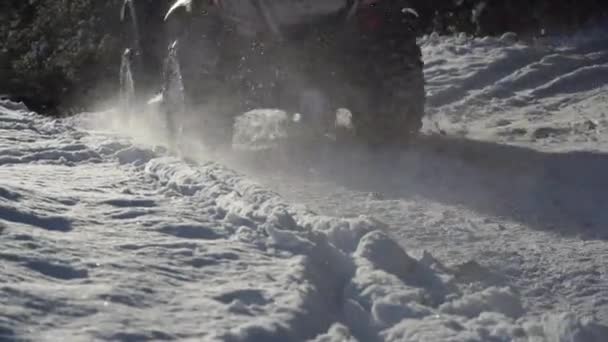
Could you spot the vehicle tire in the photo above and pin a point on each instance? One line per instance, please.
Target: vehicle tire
(384, 73)
(388, 97)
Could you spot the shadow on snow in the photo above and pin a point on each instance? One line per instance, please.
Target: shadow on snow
(566, 193)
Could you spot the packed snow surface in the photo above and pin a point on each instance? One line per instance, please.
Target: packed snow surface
(496, 237)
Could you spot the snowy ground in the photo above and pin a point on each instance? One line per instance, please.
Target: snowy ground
(517, 194)
(496, 234)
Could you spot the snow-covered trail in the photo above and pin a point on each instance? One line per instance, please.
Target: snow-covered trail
(107, 237)
(102, 238)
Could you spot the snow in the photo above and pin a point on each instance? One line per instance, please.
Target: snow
(105, 235)
(261, 129)
(498, 90)
(106, 238)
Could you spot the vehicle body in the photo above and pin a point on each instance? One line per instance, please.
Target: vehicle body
(307, 57)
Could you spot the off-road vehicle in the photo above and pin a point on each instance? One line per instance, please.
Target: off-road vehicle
(308, 57)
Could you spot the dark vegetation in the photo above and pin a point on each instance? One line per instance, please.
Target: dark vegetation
(58, 52)
(61, 55)
(494, 17)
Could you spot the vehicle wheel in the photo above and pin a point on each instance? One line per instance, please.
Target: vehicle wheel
(397, 110)
(388, 108)
(388, 103)
(384, 67)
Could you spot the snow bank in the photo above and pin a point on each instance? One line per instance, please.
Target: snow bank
(544, 92)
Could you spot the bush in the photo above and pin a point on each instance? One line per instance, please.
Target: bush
(494, 17)
(59, 51)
